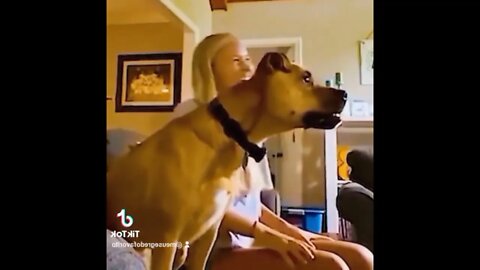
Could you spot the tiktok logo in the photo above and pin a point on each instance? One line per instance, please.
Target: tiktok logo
(126, 220)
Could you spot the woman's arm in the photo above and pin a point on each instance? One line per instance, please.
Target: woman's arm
(268, 237)
(273, 221)
(237, 223)
(281, 225)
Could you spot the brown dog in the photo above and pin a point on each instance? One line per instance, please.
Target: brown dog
(176, 187)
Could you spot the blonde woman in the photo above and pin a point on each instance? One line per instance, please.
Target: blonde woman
(251, 236)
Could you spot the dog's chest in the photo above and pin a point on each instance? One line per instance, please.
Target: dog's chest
(217, 210)
(208, 212)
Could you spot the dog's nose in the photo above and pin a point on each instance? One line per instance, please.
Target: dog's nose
(342, 94)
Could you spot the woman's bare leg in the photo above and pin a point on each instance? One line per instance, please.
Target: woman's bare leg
(261, 259)
(356, 256)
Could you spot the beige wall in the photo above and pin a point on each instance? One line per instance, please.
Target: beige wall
(330, 29)
(199, 12)
(196, 15)
(137, 38)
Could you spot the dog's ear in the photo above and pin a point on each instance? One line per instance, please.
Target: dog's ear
(272, 61)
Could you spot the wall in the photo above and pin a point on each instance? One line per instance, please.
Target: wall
(330, 32)
(137, 38)
(197, 17)
(330, 29)
(198, 11)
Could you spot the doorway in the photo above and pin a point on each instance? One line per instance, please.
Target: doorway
(284, 150)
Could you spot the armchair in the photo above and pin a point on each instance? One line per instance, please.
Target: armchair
(355, 199)
(271, 199)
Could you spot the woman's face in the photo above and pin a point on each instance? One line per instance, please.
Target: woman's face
(231, 65)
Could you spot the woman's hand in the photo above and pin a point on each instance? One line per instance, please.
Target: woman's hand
(285, 245)
(305, 236)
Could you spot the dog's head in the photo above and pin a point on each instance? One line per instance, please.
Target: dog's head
(291, 96)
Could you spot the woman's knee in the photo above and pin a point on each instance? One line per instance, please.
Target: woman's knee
(361, 256)
(365, 255)
(356, 256)
(328, 261)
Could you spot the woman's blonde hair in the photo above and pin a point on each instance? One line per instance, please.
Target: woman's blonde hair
(203, 80)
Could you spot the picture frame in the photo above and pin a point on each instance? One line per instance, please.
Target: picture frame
(148, 82)
(366, 62)
(359, 108)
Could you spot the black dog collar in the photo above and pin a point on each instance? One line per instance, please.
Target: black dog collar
(232, 129)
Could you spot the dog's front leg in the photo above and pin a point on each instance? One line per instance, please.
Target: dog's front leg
(162, 258)
(180, 257)
(199, 252)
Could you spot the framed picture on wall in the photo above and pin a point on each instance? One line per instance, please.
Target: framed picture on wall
(360, 108)
(366, 62)
(148, 82)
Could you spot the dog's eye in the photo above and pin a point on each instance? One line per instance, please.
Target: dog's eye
(307, 79)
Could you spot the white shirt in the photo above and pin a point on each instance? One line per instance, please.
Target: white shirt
(249, 205)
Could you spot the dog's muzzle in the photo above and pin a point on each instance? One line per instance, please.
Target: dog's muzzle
(333, 102)
(321, 120)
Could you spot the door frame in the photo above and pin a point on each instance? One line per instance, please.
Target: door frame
(294, 42)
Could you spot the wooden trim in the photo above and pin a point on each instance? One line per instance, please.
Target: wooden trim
(243, 1)
(222, 4)
(218, 5)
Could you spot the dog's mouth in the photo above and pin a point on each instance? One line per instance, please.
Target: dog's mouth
(320, 120)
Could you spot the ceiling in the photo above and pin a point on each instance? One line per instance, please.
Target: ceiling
(121, 12)
(136, 12)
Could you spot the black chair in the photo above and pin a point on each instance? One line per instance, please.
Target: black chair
(355, 199)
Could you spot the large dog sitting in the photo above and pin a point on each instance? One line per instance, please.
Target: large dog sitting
(175, 186)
